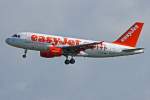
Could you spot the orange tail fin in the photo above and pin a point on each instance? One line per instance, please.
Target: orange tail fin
(130, 37)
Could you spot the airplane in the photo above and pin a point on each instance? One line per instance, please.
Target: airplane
(51, 46)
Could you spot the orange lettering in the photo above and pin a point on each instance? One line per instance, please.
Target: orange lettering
(41, 39)
(34, 37)
(56, 40)
(71, 42)
(77, 42)
(65, 41)
(48, 39)
(61, 42)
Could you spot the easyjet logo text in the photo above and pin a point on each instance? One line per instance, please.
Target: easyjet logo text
(55, 40)
(129, 33)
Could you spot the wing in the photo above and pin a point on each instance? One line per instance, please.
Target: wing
(74, 50)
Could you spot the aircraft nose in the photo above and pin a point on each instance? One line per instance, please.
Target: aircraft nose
(8, 41)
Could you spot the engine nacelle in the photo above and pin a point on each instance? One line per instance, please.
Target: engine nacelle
(52, 52)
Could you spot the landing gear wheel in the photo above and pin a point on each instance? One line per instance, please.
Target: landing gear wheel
(67, 61)
(24, 56)
(72, 61)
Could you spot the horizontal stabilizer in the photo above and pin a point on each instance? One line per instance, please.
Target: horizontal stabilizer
(132, 50)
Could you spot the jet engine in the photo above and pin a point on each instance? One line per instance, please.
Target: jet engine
(52, 52)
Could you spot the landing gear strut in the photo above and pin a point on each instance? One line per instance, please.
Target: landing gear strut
(25, 53)
(67, 60)
(71, 61)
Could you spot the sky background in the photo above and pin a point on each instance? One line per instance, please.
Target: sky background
(35, 78)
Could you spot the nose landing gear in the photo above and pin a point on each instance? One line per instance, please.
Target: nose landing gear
(25, 54)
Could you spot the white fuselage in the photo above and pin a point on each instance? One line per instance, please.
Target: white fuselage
(35, 41)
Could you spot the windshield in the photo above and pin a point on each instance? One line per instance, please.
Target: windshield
(15, 35)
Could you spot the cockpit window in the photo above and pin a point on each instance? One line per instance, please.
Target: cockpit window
(15, 35)
(18, 36)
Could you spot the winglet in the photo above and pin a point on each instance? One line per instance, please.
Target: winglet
(130, 37)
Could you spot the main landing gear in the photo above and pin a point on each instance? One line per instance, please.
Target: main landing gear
(25, 53)
(71, 61)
